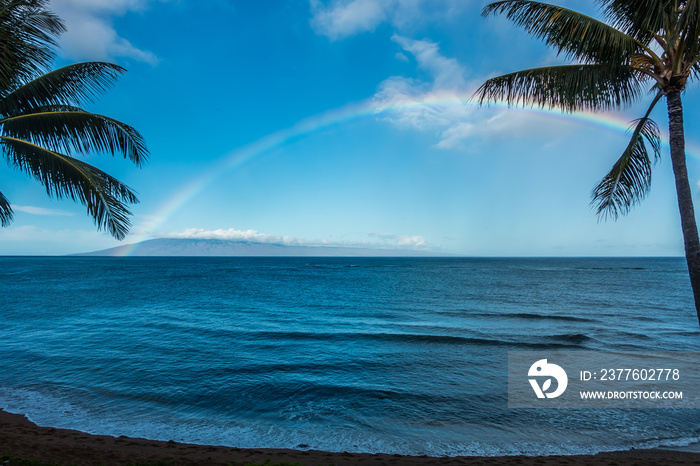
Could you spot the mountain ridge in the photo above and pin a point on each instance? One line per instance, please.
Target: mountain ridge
(177, 247)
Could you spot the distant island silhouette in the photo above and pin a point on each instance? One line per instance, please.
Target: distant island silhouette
(223, 248)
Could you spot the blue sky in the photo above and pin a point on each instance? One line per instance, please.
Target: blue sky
(344, 122)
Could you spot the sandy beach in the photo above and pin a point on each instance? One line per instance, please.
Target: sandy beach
(21, 438)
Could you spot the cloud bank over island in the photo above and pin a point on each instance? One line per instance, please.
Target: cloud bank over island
(377, 240)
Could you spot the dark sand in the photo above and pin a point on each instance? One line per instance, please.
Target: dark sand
(22, 438)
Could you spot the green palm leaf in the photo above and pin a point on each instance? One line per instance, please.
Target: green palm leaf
(28, 35)
(689, 30)
(64, 176)
(639, 18)
(75, 84)
(576, 35)
(41, 117)
(78, 131)
(568, 87)
(695, 70)
(6, 213)
(629, 180)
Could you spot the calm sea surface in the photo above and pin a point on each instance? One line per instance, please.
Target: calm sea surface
(364, 355)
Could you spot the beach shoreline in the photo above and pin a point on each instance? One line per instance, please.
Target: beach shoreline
(21, 438)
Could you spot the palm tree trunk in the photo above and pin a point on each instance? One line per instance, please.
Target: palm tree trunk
(685, 195)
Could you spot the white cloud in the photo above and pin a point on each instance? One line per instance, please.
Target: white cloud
(400, 56)
(27, 209)
(415, 104)
(447, 73)
(233, 235)
(416, 241)
(346, 18)
(338, 19)
(439, 104)
(456, 133)
(380, 240)
(90, 32)
(481, 126)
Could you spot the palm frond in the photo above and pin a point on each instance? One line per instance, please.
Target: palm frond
(629, 180)
(75, 84)
(695, 70)
(28, 34)
(576, 35)
(644, 63)
(51, 108)
(104, 196)
(76, 130)
(689, 31)
(6, 213)
(568, 87)
(640, 18)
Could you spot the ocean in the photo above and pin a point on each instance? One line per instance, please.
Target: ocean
(394, 355)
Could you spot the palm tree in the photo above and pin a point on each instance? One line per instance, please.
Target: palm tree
(646, 45)
(41, 119)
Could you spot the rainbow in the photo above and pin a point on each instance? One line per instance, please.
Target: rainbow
(366, 109)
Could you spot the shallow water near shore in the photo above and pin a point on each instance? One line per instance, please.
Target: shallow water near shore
(394, 355)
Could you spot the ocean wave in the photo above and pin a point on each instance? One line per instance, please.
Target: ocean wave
(572, 337)
(546, 342)
(529, 316)
(474, 440)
